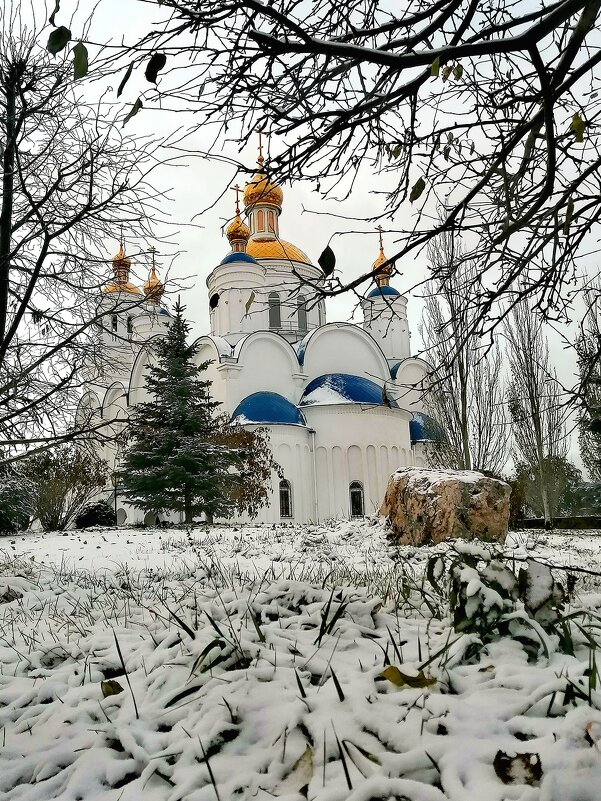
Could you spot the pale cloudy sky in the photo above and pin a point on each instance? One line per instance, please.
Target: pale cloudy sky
(197, 183)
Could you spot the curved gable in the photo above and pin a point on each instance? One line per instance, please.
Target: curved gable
(343, 348)
(266, 362)
(409, 381)
(115, 398)
(218, 346)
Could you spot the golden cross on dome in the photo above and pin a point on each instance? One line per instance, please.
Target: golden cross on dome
(260, 159)
(379, 229)
(237, 190)
(152, 250)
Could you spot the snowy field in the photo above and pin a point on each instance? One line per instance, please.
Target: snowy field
(295, 662)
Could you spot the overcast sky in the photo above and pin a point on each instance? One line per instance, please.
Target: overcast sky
(197, 183)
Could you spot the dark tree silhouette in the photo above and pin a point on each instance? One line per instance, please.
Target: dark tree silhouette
(69, 181)
(490, 108)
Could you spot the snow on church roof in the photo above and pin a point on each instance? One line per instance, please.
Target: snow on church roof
(343, 388)
(268, 408)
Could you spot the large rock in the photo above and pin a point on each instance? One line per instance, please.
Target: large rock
(428, 506)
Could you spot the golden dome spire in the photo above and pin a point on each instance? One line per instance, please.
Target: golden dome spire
(260, 189)
(237, 231)
(382, 277)
(153, 288)
(121, 268)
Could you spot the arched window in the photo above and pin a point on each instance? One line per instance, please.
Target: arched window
(130, 325)
(260, 221)
(285, 498)
(302, 313)
(271, 221)
(275, 313)
(114, 322)
(214, 301)
(356, 497)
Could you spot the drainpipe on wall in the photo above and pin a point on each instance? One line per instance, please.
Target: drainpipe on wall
(314, 475)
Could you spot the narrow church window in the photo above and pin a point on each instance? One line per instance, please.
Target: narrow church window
(214, 301)
(271, 218)
(357, 502)
(275, 314)
(114, 322)
(260, 220)
(302, 313)
(130, 325)
(285, 498)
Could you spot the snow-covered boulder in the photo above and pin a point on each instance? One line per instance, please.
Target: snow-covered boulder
(425, 506)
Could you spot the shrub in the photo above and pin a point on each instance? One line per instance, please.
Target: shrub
(64, 479)
(99, 513)
(15, 500)
(487, 599)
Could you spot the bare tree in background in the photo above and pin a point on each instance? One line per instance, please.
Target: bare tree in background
(467, 397)
(69, 183)
(490, 108)
(588, 348)
(535, 402)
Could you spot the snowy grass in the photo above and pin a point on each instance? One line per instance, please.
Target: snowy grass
(255, 662)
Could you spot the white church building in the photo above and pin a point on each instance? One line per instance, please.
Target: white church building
(340, 401)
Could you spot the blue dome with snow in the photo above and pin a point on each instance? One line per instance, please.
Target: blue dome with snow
(237, 257)
(379, 291)
(343, 388)
(268, 408)
(165, 312)
(424, 428)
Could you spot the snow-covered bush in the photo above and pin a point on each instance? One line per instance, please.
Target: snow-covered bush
(488, 599)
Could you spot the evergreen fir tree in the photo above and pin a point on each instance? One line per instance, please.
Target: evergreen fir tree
(175, 461)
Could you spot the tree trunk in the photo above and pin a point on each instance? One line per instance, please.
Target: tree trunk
(187, 505)
(544, 494)
(11, 81)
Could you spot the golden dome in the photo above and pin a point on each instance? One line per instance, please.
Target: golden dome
(383, 275)
(261, 190)
(121, 267)
(153, 288)
(237, 229)
(120, 259)
(122, 287)
(275, 249)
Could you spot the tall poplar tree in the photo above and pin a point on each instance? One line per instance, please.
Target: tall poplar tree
(535, 406)
(176, 461)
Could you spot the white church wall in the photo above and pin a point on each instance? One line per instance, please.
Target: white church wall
(208, 351)
(355, 443)
(292, 449)
(386, 320)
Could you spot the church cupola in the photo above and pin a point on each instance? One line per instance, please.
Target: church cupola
(385, 311)
(237, 232)
(154, 288)
(263, 202)
(121, 269)
(381, 274)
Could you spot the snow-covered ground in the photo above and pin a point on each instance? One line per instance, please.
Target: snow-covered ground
(294, 662)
